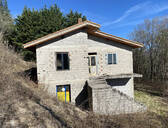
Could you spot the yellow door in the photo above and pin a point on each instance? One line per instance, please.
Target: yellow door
(63, 93)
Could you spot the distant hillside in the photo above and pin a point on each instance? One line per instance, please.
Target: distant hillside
(24, 105)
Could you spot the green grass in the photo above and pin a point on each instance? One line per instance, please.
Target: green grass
(155, 104)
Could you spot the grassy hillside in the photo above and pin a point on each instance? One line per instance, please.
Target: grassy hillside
(24, 105)
(156, 101)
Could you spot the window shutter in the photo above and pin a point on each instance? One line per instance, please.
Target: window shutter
(114, 58)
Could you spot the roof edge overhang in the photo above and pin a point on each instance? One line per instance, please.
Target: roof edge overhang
(131, 43)
(92, 28)
(90, 25)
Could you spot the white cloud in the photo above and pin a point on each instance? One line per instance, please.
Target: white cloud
(131, 23)
(156, 8)
(139, 11)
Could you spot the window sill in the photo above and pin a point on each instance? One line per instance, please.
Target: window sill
(111, 64)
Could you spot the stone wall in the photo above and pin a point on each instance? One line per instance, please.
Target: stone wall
(78, 73)
(78, 44)
(102, 47)
(111, 101)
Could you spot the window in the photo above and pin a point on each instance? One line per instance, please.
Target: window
(62, 61)
(112, 58)
(109, 58)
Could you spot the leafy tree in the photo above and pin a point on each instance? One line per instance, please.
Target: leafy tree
(6, 21)
(72, 18)
(33, 24)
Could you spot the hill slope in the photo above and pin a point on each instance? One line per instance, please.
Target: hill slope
(23, 104)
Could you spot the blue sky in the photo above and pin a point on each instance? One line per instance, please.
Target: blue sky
(117, 17)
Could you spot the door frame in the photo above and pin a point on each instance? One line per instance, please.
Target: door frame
(65, 91)
(96, 63)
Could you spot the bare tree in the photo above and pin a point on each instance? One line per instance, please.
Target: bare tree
(152, 60)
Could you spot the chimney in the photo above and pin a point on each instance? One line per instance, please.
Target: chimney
(79, 20)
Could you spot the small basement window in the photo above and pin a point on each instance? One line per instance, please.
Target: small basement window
(112, 58)
(62, 61)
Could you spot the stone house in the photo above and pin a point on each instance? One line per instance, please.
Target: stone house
(87, 67)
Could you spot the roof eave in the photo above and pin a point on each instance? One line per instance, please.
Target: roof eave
(117, 39)
(59, 33)
(93, 29)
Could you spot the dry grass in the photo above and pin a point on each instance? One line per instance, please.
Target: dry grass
(155, 104)
(24, 105)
